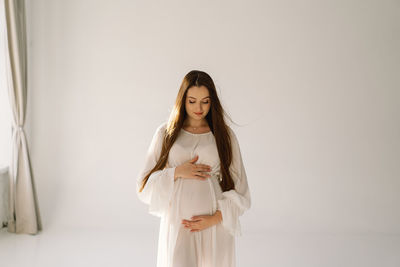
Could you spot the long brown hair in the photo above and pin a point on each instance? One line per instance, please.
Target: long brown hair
(216, 122)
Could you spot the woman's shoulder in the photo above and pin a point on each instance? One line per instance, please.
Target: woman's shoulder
(231, 132)
(160, 130)
(233, 136)
(162, 126)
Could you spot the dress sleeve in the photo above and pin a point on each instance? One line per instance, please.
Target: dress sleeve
(234, 202)
(158, 190)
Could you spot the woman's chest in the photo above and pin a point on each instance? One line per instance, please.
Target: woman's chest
(187, 147)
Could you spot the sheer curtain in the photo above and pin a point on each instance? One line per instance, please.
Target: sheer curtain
(5, 124)
(23, 214)
(5, 114)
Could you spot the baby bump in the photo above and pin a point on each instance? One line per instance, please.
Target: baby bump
(195, 199)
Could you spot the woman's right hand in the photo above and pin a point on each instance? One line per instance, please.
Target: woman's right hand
(190, 170)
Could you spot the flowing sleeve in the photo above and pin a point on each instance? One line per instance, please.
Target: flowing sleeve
(158, 190)
(234, 202)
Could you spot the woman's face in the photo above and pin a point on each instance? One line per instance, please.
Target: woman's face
(198, 102)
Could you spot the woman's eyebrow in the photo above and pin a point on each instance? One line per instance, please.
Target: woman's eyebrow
(196, 98)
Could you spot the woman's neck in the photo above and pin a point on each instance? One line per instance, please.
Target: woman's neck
(195, 123)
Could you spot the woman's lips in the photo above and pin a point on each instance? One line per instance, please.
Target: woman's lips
(198, 113)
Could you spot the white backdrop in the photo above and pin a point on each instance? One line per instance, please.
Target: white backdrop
(314, 85)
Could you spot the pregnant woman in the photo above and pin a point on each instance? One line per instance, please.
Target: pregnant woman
(195, 181)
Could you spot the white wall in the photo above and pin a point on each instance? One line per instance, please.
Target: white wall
(315, 84)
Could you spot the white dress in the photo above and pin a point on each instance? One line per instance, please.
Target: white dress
(173, 201)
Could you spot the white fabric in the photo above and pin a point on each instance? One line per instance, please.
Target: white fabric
(24, 216)
(184, 198)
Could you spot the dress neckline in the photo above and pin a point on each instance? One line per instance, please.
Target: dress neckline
(195, 133)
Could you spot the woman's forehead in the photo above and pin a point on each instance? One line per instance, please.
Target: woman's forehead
(198, 92)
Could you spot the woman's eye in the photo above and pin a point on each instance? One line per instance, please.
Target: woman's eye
(202, 102)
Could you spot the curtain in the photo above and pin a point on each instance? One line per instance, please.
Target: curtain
(23, 214)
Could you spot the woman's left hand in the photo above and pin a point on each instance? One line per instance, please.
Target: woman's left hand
(200, 222)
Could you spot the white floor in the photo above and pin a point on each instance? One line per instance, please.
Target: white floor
(123, 247)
